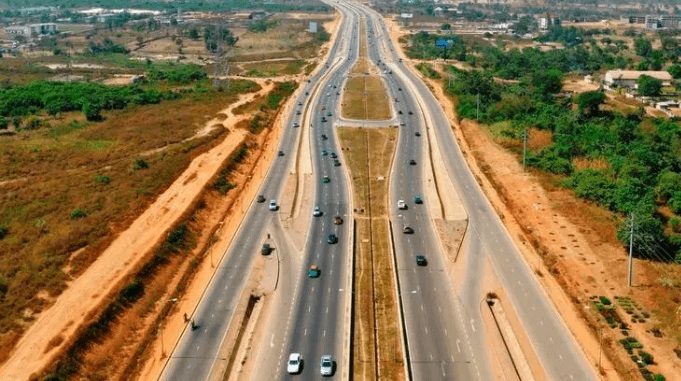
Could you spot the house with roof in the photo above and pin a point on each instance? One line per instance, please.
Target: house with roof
(628, 78)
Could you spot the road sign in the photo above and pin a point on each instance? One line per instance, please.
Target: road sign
(441, 44)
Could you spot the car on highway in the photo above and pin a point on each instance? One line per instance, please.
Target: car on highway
(325, 153)
(324, 137)
(417, 133)
(298, 112)
(411, 113)
(401, 204)
(296, 124)
(266, 249)
(294, 364)
(399, 112)
(314, 272)
(328, 113)
(418, 199)
(333, 155)
(412, 162)
(338, 220)
(326, 366)
(260, 199)
(421, 260)
(300, 103)
(325, 179)
(281, 153)
(323, 119)
(317, 212)
(273, 205)
(406, 229)
(336, 163)
(332, 238)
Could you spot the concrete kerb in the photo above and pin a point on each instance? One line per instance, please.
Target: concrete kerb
(400, 309)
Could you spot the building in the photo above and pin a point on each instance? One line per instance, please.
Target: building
(654, 22)
(547, 21)
(628, 78)
(33, 29)
(313, 27)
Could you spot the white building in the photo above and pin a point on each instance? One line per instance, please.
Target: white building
(33, 29)
(628, 78)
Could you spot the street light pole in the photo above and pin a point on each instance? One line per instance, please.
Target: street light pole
(160, 328)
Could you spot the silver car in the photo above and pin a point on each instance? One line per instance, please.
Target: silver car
(326, 367)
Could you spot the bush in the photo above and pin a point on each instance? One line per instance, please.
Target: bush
(140, 164)
(102, 179)
(646, 357)
(3, 232)
(605, 301)
(659, 377)
(78, 213)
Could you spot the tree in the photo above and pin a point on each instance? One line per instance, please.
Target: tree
(643, 47)
(588, 102)
(649, 86)
(548, 81)
(4, 123)
(92, 111)
(675, 71)
(194, 33)
(446, 27)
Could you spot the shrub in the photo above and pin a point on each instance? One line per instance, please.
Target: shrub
(78, 213)
(646, 357)
(3, 232)
(102, 179)
(659, 377)
(132, 291)
(605, 301)
(140, 164)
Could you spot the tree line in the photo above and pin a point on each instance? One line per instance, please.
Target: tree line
(626, 162)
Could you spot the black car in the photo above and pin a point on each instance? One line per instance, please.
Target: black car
(412, 162)
(323, 119)
(336, 163)
(333, 155)
(406, 229)
(332, 238)
(421, 260)
(411, 113)
(281, 153)
(324, 137)
(417, 133)
(260, 198)
(266, 249)
(399, 112)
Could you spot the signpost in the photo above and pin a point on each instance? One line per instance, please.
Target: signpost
(442, 43)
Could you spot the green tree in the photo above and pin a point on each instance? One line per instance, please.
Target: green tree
(643, 47)
(92, 111)
(446, 27)
(4, 123)
(548, 81)
(675, 71)
(588, 102)
(668, 183)
(649, 86)
(194, 33)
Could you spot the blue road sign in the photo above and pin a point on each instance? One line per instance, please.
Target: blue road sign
(441, 43)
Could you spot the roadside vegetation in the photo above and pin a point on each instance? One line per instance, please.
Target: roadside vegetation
(69, 182)
(615, 156)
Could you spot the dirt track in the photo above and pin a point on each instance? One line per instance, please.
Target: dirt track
(59, 322)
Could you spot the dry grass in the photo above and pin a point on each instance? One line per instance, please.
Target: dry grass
(88, 166)
(368, 154)
(365, 98)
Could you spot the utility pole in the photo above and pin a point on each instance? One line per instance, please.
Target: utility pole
(477, 107)
(524, 148)
(631, 251)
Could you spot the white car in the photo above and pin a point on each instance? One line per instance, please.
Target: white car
(317, 212)
(326, 367)
(294, 362)
(273, 205)
(401, 204)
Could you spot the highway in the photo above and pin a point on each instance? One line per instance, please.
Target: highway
(445, 337)
(314, 322)
(487, 238)
(197, 352)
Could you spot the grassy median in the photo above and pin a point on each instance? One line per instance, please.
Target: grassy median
(377, 351)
